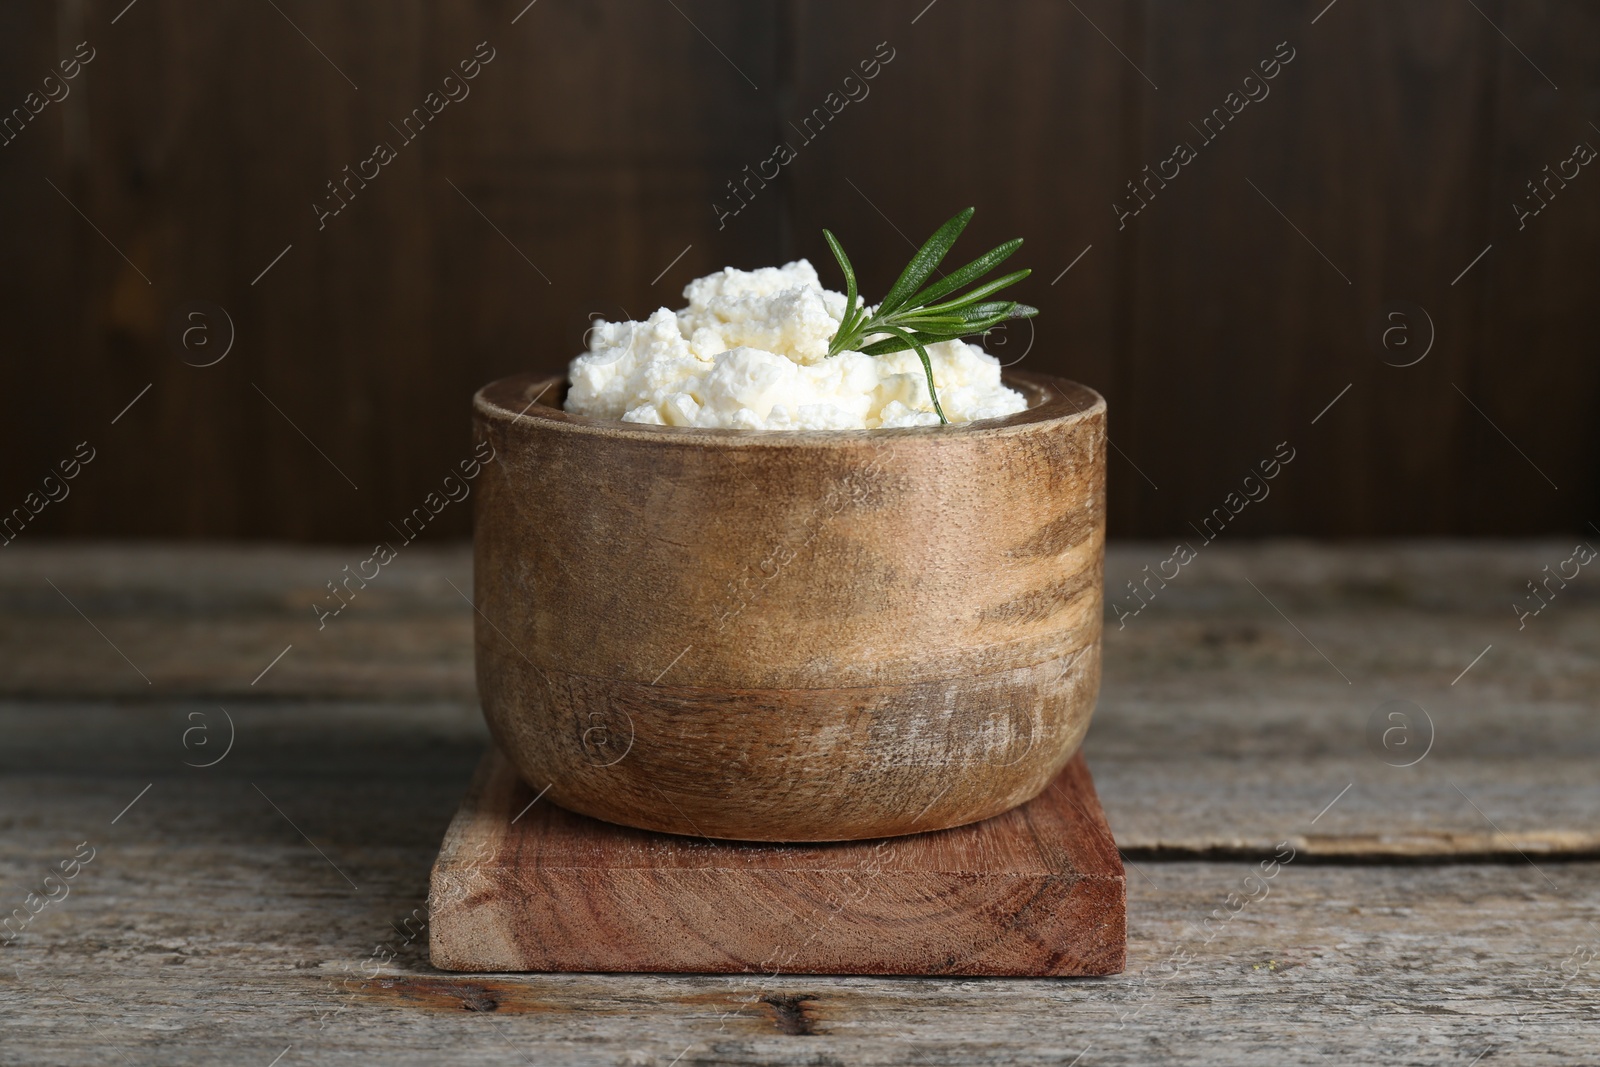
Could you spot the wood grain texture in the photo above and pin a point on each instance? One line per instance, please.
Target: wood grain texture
(1522, 444)
(1325, 190)
(521, 885)
(208, 928)
(598, 141)
(793, 636)
(1209, 683)
(575, 170)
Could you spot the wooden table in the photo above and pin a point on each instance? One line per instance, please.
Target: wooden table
(272, 904)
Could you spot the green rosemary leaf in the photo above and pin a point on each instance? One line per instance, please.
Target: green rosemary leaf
(897, 344)
(938, 327)
(927, 367)
(849, 280)
(960, 321)
(911, 319)
(980, 325)
(949, 323)
(925, 262)
(988, 308)
(979, 322)
(997, 310)
(980, 292)
(970, 273)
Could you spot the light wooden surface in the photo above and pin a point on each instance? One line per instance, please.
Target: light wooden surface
(521, 885)
(1431, 914)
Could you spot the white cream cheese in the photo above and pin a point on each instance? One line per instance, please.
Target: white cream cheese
(751, 352)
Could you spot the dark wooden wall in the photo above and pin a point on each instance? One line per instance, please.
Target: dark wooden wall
(1218, 322)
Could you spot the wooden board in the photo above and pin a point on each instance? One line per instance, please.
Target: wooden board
(527, 886)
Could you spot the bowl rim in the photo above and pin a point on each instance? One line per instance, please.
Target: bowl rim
(1052, 400)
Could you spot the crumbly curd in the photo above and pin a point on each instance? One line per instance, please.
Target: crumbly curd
(751, 352)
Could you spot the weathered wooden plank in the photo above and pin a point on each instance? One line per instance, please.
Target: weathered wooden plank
(1222, 781)
(1212, 783)
(205, 921)
(205, 620)
(1244, 718)
(208, 621)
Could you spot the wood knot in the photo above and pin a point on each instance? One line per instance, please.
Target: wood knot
(436, 993)
(477, 998)
(791, 1014)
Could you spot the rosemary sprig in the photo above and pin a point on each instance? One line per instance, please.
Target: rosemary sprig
(912, 317)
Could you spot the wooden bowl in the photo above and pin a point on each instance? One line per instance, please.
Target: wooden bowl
(789, 636)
